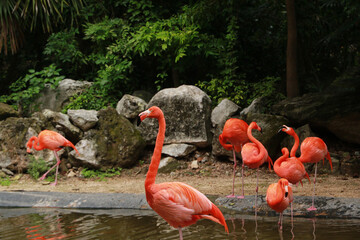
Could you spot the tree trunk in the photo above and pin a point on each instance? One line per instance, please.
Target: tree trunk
(292, 85)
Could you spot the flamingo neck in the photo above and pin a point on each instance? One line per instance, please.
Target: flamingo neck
(34, 142)
(280, 160)
(155, 159)
(295, 146)
(262, 149)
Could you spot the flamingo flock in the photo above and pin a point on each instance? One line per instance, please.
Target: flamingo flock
(181, 205)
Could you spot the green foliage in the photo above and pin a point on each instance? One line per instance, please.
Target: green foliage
(5, 181)
(27, 88)
(101, 175)
(37, 167)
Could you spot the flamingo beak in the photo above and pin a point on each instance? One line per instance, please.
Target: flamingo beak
(142, 116)
(286, 191)
(281, 129)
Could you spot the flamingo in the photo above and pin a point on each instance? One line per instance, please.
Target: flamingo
(234, 132)
(278, 197)
(254, 154)
(177, 203)
(49, 140)
(313, 150)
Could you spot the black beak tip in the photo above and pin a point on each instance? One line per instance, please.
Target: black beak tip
(286, 194)
(138, 121)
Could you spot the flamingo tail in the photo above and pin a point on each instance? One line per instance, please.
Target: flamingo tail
(307, 175)
(329, 158)
(216, 216)
(270, 162)
(69, 144)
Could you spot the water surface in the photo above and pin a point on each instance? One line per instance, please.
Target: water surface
(50, 223)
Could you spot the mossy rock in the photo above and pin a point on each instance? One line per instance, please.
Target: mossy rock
(119, 143)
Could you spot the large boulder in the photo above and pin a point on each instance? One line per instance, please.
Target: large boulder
(115, 142)
(84, 119)
(130, 106)
(7, 111)
(224, 110)
(56, 99)
(187, 111)
(337, 109)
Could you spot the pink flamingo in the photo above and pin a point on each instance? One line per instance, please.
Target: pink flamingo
(313, 150)
(254, 154)
(234, 132)
(178, 203)
(49, 140)
(278, 197)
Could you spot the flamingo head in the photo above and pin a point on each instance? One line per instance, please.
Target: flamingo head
(284, 183)
(287, 130)
(153, 112)
(285, 151)
(254, 125)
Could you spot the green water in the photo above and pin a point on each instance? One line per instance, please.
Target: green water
(36, 223)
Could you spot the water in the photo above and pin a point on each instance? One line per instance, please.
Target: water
(50, 223)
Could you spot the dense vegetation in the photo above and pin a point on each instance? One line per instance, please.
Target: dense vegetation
(230, 49)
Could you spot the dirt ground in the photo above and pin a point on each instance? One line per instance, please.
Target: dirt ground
(213, 178)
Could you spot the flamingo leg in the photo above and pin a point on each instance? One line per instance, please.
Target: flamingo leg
(313, 208)
(233, 191)
(280, 221)
(257, 188)
(180, 233)
(242, 176)
(56, 165)
(292, 215)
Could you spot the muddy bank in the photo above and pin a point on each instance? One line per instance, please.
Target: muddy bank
(327, 207)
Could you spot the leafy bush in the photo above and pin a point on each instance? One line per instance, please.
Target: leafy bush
(27, 88)
(5, 181)
(101, 175)
(37, 167)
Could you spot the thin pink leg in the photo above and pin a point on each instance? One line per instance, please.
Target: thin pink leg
(56, 165)
(242, 176)
(280, 221)
(180, 233)
(233, 190)
(313, 208)
(257, 188)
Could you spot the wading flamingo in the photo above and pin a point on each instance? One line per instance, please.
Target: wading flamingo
(178, 203)
(254, 154)
(278, 197)
(49, 140)
(234, 132)
(313, 150)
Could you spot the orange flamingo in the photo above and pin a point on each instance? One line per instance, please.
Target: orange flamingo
(178, 203)
(278, 197)
(49, 140)
(234, 132)
(313, 150)
(254, 154)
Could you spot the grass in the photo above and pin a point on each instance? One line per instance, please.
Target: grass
(101, 175)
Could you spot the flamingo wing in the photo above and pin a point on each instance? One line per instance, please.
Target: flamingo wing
(182, 205)
(51, 140)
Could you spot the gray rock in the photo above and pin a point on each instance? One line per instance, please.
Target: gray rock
(187, 112)
(62, 123)
(130, 106)
(84, 119)
(88, 151)
(178, 150)
(256, 106)
(168, 165)
(223, 111)
(56, 99)
(7, 111)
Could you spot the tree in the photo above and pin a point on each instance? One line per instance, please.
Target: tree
(17, 15)
(292, 85)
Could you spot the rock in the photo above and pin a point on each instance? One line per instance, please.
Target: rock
(7, 111)
(187, 112)
(168, 165)
(56, 99)
(130, 106)
(194, 164)
(84, 119)
(114, 143)
(7, 171)
(62, 123)
(71, 173)
(223, 111)
(337, 109)
(178, 150)
(256, 106)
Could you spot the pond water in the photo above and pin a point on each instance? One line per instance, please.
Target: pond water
(50, 223)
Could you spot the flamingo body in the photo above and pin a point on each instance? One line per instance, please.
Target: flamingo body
(178, 203)
(313, 150)
(290, 168)
(49, 140)
(276, 196)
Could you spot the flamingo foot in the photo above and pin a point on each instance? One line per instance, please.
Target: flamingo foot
(241, 197)
(43, 177)
(53, 184)
(312, 208)
(231, 196)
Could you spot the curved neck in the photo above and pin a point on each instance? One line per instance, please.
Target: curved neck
(295, 146)
(34, 142)
(155, 159)
(262, 149)
(281, 159)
